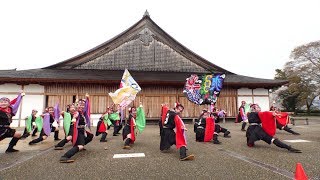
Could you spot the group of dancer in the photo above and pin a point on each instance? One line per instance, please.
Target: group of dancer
(76, 125)
(262, 125)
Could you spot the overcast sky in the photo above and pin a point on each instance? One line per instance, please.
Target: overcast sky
(247, 37)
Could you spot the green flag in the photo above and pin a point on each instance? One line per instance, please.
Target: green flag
(66, 122)
(106, 120)
(140, 119)
(28, 124)
(246, 108)
(39, 123)
(114, 116)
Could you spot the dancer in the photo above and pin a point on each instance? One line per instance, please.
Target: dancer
(103, 125)
(282, 120)
(137, 120)
(69, 118)
(7, 111)
(256, 132)
(80, 136)
(49, 124)
(31, 124)
(169, 137)
(205, 131)
(242, 116)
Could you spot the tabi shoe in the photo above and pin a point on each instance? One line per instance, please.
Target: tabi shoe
(32, 143)
(226, 134)
(64, 159)
(293, 150)
(58, 148)
(126, 147)
(189, 157)
(11, 150)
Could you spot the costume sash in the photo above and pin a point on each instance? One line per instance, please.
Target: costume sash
(268, 122)
(180, 133)
(208, 135)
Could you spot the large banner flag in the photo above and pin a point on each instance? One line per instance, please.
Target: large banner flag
(203, 89)
(127, 92)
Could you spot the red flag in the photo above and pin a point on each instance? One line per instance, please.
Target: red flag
(282, 118)
(268, 122)
(133, 136)
(208, 134)
(180, 136)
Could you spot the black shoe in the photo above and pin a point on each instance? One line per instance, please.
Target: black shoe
(24, 136)
(115, 134)
(57, 139)
(11, 150)
(33, 135)
(58, 148)
(189, 157)
(103, 140)
(295, 133)
(294, 150)
(216, 142)
(31, 143)
(65, 159)
(226, 134)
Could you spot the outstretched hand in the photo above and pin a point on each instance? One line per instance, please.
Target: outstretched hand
(22, 93)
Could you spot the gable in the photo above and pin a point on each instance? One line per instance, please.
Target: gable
(143, 53)
(142, 47)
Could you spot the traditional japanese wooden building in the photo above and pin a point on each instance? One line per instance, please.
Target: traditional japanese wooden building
(158, 62)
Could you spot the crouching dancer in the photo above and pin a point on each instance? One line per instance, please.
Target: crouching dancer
(205, 128)
(50, 124)
(137, 120)
(69, 118)
(103, 125)
(80, 136)
(7, 111)
(255, 132)
(169, 137)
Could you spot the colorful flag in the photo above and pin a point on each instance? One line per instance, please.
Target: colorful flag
(127, 92)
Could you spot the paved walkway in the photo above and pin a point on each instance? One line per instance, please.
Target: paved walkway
(230, 160)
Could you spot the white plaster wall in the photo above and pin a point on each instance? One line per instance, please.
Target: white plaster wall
(247, 99)
(32, 102)
(263, 102)
(9, 87)
(33, 88)
(260, 91)
(244, 91)
(29, 101)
